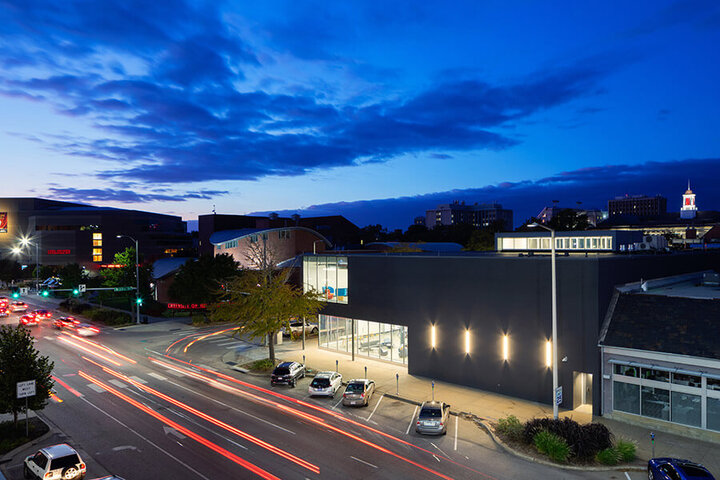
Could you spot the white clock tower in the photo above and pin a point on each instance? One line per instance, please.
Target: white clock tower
(689, 209)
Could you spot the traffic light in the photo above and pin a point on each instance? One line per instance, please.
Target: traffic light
(76, 291)
(139, 301)
(45, 293)
(16, 295)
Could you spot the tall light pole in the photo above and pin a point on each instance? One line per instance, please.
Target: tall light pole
(25, 241)
(554, 316)
(137, 278)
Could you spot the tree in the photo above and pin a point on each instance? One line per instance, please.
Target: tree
(125, 275)
(72, 275)
(262, 306)
(10, 270)
(200, 281)
(19, 362)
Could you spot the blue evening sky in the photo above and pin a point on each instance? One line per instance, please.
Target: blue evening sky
(376, 110)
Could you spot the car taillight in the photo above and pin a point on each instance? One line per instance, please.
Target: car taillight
(441, 424)
(48, 475)
(418, 422)
(82, 466)
(362, 395)
(344, 395)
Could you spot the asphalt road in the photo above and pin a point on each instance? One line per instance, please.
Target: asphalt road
(136, 409)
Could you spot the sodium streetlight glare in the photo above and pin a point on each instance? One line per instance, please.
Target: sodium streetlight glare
(467, 342)
(506, 347)
(432, 336)
(548, 354)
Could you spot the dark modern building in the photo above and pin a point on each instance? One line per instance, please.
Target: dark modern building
(478, 215)
(637, 205)
(481, 320)
(62, 232)
(338, 230)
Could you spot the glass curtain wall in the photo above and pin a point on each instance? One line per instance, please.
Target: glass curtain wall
(381, 341)
(328, 276)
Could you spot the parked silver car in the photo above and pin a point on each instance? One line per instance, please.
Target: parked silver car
(433, 418)
(358, 392)
(325, 383)
(59, 462)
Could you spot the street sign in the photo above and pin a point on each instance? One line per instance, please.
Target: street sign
(81, 288)
(123, 289)
(558, 395)
(24, 290)
(26, 389)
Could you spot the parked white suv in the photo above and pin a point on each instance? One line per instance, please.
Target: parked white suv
(59, 462)
(325, 383)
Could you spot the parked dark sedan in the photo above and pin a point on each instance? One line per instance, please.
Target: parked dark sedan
(676, 469)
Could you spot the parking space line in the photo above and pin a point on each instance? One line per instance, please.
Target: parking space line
(363, 461)
(376, 406)
(457, 420)
(338, 403)
(412, 419)
(628, 476)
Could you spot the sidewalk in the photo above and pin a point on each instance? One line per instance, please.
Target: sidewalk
(491, 406)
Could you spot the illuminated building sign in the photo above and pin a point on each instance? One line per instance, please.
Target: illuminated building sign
(3, 222)
(186, 306)
(59, 252)
(112, 265)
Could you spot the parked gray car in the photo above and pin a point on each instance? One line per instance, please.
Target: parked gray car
(358, 392)
(433, 418)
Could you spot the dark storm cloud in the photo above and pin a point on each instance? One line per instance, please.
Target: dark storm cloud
(183, 120)
(128, 196)
(592, 186)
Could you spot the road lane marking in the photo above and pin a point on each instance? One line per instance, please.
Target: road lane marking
(376, 406)
(412, 420)
(234, 346)
(68, 387)
(117, 383)
(49, 338)
(234, 342)
(628, 476)
(363, 461)
(149, 441)
(457, 420)
(97, 388)
(176, 373)
(338, 403)
(439, 450)
(157, 377)
(138, 379)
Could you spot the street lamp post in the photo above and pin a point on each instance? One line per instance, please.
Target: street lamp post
(24, 242)
(554, 316)
(137, 278)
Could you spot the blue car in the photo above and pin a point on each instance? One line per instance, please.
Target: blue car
(676, 469)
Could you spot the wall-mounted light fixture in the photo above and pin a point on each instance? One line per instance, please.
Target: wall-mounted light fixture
(467, 342)
(506, 347)
(548, 354)
(433, 338)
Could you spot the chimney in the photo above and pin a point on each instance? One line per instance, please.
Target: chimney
(273, 216)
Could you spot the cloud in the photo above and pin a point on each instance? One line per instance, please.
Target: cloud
(180, 116)
(593, 186)
(128, 196)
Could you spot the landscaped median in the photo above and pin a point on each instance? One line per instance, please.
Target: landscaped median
(106, 316)
(564, 443)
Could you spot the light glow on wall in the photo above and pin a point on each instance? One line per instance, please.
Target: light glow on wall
(506, 347)
(467, 342)
(548, 353)
(432, 336)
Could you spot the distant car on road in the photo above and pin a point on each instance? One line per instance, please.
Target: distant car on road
(65, 322)
(4, 312)
(433, 418)
(16, 307)
(296, 326)
(40, 314)
(666, 468)
(29, 320)
(288, 373)
(325, 383)
(86, 330)
(358, 392)
(59, 462)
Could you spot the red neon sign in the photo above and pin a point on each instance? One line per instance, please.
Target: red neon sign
(186, 306)
(59, 252)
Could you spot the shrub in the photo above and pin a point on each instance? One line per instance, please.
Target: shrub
(552, 445)
(264, 365)
(627, 450)
(109, 317)
(510, 428)
(585, 441)
(608, 456)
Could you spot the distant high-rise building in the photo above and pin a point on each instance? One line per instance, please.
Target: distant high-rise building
(689, 209)
(637, 205)
(478, 215)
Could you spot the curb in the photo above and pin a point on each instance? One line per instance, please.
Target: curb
(11, 454)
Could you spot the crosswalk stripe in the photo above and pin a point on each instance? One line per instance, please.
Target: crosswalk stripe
(97, 388)
(117, 383)
(49, 338)
(234, 342)
(138, 380)
(156, 376)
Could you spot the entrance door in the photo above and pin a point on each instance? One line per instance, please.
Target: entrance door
(582, 391)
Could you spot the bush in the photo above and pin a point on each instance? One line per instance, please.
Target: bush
(109, 317)
(608, 456)
(627, 450)
(552, 445)
(264, 365)
(510, 428)
(585, 441)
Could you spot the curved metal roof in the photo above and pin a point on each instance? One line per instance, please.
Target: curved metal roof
(228, 235)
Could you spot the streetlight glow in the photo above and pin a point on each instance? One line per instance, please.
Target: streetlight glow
(432, 336)
(506, 347)
(548, 354)
(467, 342)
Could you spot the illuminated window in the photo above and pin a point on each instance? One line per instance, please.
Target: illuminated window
(548, 354)
(97, 239)
(97, 258)
(97, 251)
(467, 341)
(433, 337)
(505, 347)
(171, 250)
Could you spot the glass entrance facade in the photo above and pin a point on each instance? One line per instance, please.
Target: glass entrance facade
(381, 341)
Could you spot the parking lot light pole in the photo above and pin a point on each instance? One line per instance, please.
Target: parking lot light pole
(137, 278)
(554, 316)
